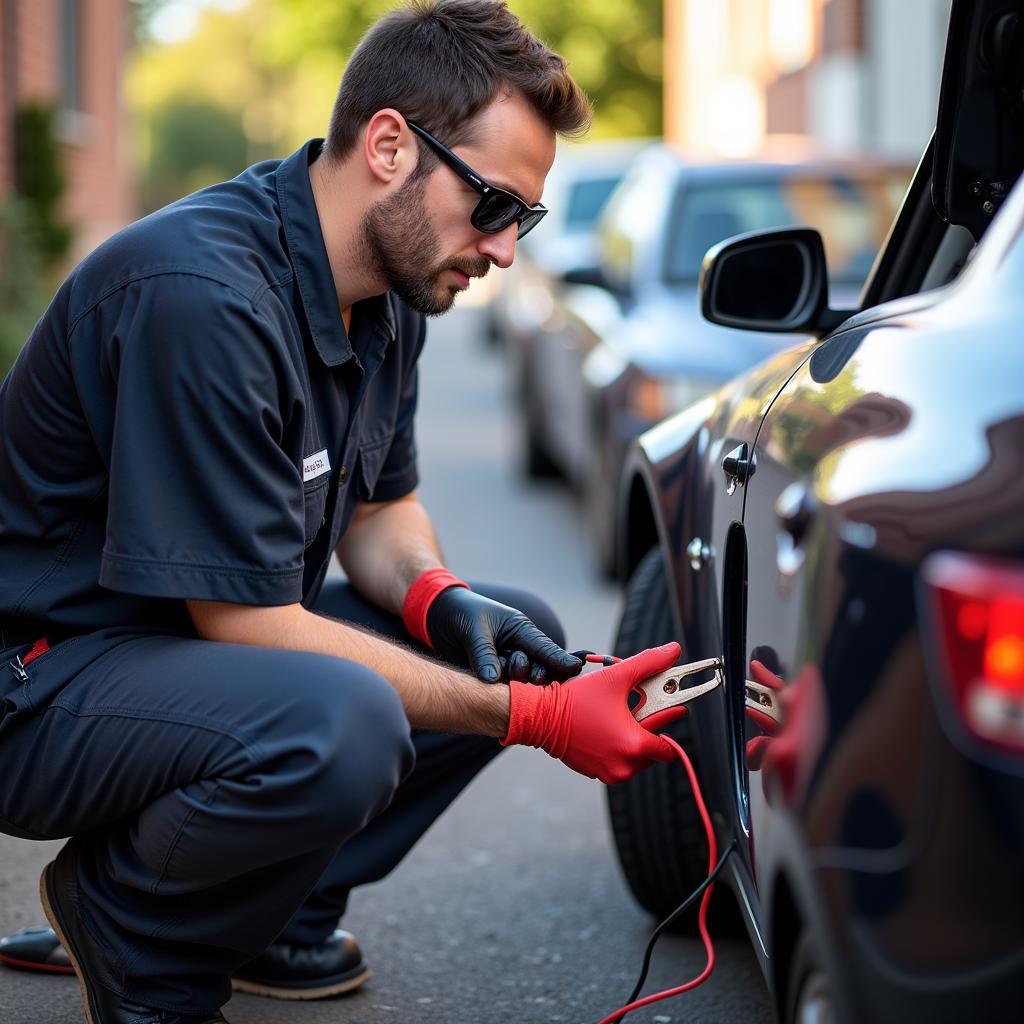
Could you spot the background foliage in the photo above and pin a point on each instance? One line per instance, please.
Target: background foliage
(24, 289)
(257, 82)
(39, 179)
(34, 238)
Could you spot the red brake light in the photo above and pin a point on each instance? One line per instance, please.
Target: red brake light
(980, 607)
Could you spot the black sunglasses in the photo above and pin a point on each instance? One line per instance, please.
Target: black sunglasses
(496, 208)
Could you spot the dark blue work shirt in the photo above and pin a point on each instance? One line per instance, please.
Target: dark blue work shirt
(190, 419)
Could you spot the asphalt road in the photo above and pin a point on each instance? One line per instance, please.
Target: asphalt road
(512, 909)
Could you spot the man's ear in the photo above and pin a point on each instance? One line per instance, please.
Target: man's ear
(389, 147)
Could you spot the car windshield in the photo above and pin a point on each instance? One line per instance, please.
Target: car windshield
(586, 200)
(852, 214)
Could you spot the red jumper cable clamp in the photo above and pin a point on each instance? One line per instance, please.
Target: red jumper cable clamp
(659, 694)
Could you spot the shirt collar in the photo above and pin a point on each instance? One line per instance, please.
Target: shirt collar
(308, 255)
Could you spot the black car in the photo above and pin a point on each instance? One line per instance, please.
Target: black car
(624, 345)
(844, 527)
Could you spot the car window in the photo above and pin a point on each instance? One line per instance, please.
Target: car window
(852, 214)
(586, 200)
(635, 211)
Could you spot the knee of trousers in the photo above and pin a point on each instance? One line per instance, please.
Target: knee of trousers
(352, 750)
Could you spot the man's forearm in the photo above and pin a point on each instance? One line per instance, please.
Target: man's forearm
(386, 548)
(434, 696)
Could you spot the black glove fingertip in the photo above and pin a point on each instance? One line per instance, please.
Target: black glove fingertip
(519, 667)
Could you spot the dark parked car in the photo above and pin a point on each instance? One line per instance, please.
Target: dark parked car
(582, 178)
(844, 525)
(627, 345)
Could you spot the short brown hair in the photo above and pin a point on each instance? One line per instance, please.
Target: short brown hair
(440, 62)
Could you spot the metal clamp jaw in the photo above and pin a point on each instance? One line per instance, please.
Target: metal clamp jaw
(763, 700)
(668, 690)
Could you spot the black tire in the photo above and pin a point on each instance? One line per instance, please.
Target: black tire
(599, 499)
(492, 333)
(537, 464)
(536, 461)
(809, 995)
(657, 829)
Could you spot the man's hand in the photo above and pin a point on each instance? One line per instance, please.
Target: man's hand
(586, 723)
(496, 640)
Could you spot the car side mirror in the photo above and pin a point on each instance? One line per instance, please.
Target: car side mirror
(774, 281)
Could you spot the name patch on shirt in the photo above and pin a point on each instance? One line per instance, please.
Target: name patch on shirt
(315, 465)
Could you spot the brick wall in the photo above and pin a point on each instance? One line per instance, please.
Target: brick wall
(843, 26)
(36, 49)
(93, 139)
(101, 197)
(7, 70)
(785, 107)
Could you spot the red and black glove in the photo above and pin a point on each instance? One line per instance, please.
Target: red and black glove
(586, 723)
(496, 641)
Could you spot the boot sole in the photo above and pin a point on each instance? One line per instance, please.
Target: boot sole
(51, 916)
(359, 976)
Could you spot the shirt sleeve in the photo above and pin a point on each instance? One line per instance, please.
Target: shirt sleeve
(205, 501)
(398, 473)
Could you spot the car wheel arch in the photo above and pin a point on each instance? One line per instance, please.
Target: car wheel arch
(639, 530)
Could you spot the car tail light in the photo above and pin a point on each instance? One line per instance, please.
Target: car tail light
(979, 603)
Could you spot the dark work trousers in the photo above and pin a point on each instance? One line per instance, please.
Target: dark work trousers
(221, 795)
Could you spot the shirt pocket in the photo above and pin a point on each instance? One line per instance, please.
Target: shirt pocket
(372, 456)
(314, 496)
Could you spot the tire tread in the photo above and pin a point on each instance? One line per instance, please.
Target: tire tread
(657, 829)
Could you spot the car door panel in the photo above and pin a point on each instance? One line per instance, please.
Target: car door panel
(898, 442)
(708, 513)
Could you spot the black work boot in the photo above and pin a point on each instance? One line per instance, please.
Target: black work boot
(58, 890)
(282, 972)
(305, 972)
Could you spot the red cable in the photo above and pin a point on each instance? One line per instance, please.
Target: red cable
(702, 916)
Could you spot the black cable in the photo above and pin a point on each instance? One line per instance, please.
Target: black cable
(656, 934)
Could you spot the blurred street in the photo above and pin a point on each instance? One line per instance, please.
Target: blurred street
(513, 908)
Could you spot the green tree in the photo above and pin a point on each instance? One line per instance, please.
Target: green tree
(39, 179)
(33, 236)
(273, 68)
(614, 48)
(23, 294)
(194, 143)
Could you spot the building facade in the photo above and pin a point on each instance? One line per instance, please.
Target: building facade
(70, 54)
(843, 75)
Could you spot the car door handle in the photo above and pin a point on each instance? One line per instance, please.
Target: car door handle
(738, 466)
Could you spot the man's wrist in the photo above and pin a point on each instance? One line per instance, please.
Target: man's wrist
(498, 698)
(421, 595)
(459, 703)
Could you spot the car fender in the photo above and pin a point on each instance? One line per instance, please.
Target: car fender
(650, 506)
(794, 898)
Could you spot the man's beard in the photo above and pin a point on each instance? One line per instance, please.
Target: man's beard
(399, 244)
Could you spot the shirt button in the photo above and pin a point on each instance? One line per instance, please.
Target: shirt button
(342, 475)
